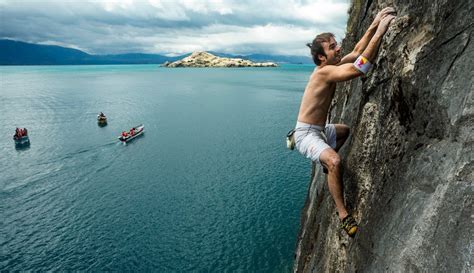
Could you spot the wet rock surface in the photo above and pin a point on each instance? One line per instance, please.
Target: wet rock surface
(408, 165)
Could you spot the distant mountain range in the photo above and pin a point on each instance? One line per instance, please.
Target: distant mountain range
(21, 53)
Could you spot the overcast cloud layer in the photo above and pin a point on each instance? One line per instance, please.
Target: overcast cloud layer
(173, 27)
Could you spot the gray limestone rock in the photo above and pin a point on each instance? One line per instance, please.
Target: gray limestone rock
(408, 166)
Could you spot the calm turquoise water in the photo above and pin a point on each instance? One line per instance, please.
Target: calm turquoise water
(209, 187)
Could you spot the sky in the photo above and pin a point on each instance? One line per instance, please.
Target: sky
(174, 27)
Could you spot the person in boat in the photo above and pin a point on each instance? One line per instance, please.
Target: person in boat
(313, 137)
(25, 132)
(124, 134)
(132, 131)
(17, 132)
(102, 115)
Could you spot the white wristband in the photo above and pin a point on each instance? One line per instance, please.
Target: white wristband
(362, 64)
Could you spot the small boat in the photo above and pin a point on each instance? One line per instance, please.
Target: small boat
(101, 118)
(21, 137)
(133, 133)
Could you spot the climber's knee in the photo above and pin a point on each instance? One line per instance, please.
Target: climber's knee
(330, 159)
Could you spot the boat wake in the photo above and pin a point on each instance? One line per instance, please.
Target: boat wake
(67, 166)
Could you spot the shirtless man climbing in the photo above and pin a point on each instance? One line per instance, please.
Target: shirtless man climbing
(313, 137)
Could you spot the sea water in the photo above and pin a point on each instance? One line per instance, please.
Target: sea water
(209, 187)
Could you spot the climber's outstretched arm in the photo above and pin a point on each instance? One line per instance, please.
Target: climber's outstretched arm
(364, 41)
(370, 52)
(345, 72)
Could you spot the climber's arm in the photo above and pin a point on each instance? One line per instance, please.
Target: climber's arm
(372, 48)
(339, 73)
(360, 46)
(364, 41)
(361, 66)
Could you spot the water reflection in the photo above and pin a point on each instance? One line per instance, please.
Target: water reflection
(102, 123)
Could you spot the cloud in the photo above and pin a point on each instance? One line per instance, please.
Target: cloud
(173, 27)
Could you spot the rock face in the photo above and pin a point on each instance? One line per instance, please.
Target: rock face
(204, 59)
(408, 166)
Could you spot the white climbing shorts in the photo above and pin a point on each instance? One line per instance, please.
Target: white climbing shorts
(311, 140)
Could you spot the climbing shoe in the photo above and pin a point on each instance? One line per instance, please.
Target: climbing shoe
(349, 225)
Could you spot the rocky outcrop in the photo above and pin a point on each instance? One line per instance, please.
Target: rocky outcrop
(204, 59)
(408, 166)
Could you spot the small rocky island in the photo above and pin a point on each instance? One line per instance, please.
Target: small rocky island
(205, 59)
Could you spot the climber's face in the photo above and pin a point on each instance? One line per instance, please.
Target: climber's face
(333, 51)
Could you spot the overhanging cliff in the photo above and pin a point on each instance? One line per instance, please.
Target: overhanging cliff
(408, 165)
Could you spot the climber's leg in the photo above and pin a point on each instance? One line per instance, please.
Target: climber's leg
(342, 133)
(331, 160)
(336, 135)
